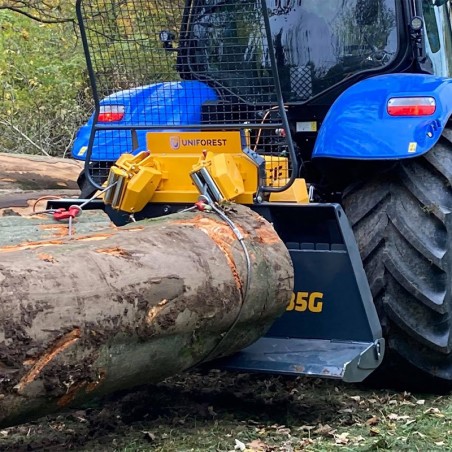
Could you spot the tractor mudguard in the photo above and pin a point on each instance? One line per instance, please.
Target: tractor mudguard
(157, 104)
(358, 125)
(331, 328)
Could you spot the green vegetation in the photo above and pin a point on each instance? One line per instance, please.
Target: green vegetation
(219, 411)
(44, 88)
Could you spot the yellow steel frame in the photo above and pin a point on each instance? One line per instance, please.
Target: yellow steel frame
(162, 174)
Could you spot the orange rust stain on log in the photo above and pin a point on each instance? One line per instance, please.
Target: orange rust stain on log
(213, 226)
(114, 251)
(134, 228)
(61, 344)
(46, 257)
(29, 362)
(227, 253)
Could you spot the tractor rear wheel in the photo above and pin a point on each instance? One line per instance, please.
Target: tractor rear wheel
(402, 222)
(86, 188)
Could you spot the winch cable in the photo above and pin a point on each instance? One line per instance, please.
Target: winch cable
(97, 194)
(72, 212)
(240, 238)
(244, 289)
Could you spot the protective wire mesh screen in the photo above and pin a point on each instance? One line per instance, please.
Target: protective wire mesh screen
(159, 65)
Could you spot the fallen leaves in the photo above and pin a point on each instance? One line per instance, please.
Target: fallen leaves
(243, 413)
(434, 412)
(257, 446)
(342, 438)
(397, 417)
(374, 420)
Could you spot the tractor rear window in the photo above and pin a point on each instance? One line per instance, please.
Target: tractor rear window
(438, 40)
(317, 44)
(431, 26)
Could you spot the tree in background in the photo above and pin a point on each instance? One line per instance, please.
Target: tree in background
(43, 83)
(44, 87)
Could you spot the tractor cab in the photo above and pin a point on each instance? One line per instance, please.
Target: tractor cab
(330, 119)
(251, 62)
(317, 45)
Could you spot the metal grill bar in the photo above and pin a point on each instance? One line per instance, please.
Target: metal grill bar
(184, 65)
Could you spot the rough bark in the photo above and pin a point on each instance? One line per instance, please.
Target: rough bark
(32, 172)
(82, 317)
(24, 179)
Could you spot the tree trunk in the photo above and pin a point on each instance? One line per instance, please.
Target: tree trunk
(24, 179)
(33, 172)
(112, 309)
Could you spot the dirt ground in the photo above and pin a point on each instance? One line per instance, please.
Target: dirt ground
(219, 411)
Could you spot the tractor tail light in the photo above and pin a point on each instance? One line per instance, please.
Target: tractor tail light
(111, 113)
(411, 106)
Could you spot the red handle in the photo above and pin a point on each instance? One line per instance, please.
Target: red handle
(65, 214)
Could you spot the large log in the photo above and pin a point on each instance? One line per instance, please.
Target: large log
(26, 178)
(34, 172)
(103, 311)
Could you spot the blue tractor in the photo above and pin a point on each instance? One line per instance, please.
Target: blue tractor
(352, 97)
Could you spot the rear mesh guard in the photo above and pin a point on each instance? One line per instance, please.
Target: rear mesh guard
(226, 48)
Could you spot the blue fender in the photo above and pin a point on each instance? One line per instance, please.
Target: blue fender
(168, 103)
(358, 125)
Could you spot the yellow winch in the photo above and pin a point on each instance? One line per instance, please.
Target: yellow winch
(181, 165)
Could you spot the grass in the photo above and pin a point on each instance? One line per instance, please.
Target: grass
(221, 411)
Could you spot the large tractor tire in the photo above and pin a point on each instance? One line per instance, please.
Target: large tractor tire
(87, 189)
(99, 172)
(403, 225)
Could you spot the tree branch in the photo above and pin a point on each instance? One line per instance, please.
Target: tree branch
(54, 20)
(24, 136)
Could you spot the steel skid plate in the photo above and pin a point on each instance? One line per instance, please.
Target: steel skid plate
(331, 328)
(349, 361)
